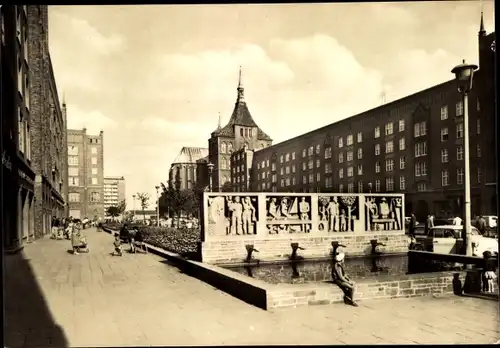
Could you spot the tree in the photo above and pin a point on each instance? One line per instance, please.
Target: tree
(113, 211)
(122, 206)
(143, 198)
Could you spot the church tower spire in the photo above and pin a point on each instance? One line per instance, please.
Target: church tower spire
(218, 125)
(241, 90)
(482, 32)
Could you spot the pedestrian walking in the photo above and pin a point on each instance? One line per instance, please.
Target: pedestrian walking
(457, 221)
(412, 225)
(427, 224)
(54, 228)
(75, 238)
(481, 225)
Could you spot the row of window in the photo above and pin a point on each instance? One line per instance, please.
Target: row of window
(445, 176)
(389, 183)
(459, 109)
(459, 131)
(75, 181)
(73, 150)
(74, 171)
(74, 197)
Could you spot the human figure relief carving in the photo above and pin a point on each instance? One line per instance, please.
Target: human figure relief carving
(248, 216)
(383, 213)
(338, 214)
(333, 212)
(284, 214)
(236, 210)
(216, 217)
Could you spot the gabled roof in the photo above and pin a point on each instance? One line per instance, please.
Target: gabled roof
(190, 155)
(240, 117)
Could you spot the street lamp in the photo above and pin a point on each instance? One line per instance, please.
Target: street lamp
(157, 206)
(210, 167)
(464, 74)
(370, 187)
(133, 207)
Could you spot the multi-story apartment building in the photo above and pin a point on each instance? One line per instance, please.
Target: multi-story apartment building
(18, 176)
(241, 169)
(48, 126)
(241, 130)
(183, 170)
(85, 174)
(388, 149)
(114, 191)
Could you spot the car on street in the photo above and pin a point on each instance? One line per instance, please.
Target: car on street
(447, 239)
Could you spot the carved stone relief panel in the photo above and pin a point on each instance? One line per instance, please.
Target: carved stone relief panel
(288, 214)
(232, 215)
(384, 213)
(338, 213)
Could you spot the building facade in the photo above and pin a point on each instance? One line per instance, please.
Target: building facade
(85, 175)
(241, 130)
(114, 191)
(48, 126)
(18, 176)
(183, 173)
(388, 149)
(241, 169)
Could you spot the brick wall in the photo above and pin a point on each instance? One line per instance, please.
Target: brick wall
(406, 286)
(233, 250)
(47, 126)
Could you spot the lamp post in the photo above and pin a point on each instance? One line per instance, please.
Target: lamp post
(157, 206)
(210, 167)
(464, 74)
(133, 207)
(370, 187)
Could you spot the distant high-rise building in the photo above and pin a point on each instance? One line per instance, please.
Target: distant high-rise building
(85, 174)
(114, 191)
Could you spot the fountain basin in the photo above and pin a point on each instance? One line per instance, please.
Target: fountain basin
(269, 296)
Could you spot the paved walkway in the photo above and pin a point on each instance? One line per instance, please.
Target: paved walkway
(96, 299)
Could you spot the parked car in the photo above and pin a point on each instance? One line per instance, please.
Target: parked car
(447, 239)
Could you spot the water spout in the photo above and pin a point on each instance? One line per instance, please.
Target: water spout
(250, 250)
(335, 246)
(295, 247)
(375, 244)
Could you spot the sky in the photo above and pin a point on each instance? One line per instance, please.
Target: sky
(154, 78)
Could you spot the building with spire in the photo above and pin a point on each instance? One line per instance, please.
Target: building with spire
(240, 131)
(388, 149)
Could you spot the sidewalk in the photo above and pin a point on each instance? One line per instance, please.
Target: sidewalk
(95, 299)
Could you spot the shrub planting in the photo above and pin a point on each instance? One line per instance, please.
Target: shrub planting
(183, 241)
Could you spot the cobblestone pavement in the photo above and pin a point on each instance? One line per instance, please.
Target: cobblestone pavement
(96, 299)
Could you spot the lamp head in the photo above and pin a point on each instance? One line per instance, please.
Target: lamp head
(464, 75)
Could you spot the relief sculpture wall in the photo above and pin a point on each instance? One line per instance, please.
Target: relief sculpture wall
(229, 215)
(384, 213)
(338, 213)
(287, 214)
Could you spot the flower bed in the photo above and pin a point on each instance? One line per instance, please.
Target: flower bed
(183, 241)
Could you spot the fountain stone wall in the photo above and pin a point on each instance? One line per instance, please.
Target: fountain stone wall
(272, 221)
